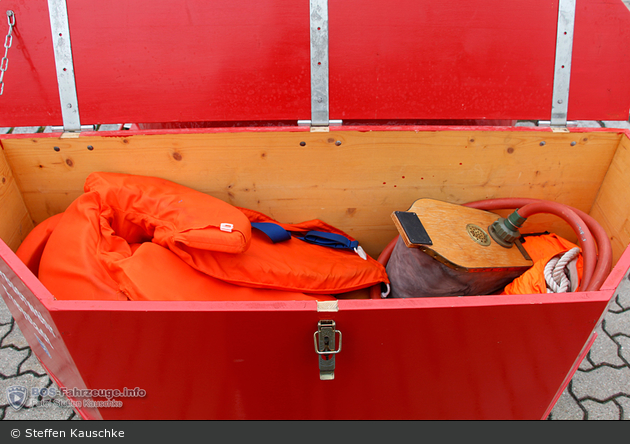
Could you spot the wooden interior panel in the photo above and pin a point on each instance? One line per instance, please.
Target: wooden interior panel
(612, 206)
(350, 179)
(15, 221)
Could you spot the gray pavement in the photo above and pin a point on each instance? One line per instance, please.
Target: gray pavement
(599, 390)
(20, 366)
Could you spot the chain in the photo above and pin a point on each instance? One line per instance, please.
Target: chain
(8, 40)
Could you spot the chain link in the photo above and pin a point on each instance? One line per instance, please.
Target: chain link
(8, 41)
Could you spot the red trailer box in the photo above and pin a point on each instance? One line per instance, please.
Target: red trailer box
(217, 90)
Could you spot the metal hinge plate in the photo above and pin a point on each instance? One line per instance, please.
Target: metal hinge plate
(558, 128)
(320, 128)
(72, 134)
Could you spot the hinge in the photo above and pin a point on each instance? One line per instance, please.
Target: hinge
(61, 129)
(320, 128)
(562, 69)
(319, 63)
(558, 128)
(59, 25)
(326, 347)
(67, 134)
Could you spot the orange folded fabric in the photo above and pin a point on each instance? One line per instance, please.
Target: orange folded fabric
(31, 249)
(541, 249)
(101, 249)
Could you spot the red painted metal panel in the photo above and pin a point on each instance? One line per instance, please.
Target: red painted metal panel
(442, 60)
(488, 59)
(196, 61)
(31, 95)
(28, 300)
(489, 357)
(455, 358)
(600, 70)
(147, 61)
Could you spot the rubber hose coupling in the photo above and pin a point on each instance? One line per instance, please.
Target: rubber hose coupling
(505, 230)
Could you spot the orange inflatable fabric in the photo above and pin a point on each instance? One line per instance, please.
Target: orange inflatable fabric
(142, 238)
(541, 249)
(31, 249)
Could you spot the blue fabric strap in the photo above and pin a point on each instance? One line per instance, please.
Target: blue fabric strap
(331, 240)
(274, 231)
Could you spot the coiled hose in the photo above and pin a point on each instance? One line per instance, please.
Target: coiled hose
(593, 240)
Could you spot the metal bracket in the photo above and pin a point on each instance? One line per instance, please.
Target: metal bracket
(59, 25)
(562, 70)
(325, 346)
(319, 63)
(558, 128)
(59, 129)
(322, 128)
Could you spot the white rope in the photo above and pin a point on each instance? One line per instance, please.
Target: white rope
(556, 274)
(385, 293)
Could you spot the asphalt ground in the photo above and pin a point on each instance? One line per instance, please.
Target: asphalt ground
(599, 390)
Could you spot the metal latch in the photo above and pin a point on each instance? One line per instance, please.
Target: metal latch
(326, 349)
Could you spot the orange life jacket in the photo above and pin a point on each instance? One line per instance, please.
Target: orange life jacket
(99, 249)
(142, 277)
(31, 249)
(541, 249)
(137, 281)
(292, 264)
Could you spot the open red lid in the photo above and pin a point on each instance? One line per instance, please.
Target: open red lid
(143, 61)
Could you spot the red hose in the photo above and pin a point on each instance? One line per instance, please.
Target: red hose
(585, 238)
(383, 258)
(602, 257)
(596, 248)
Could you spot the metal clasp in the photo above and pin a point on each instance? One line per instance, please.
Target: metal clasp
(325, 347)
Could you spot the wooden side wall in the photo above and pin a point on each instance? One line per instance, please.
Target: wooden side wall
(612, 206)
(15, 221)
(350, 179)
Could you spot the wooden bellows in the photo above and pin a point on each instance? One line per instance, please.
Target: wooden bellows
(457, 236)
